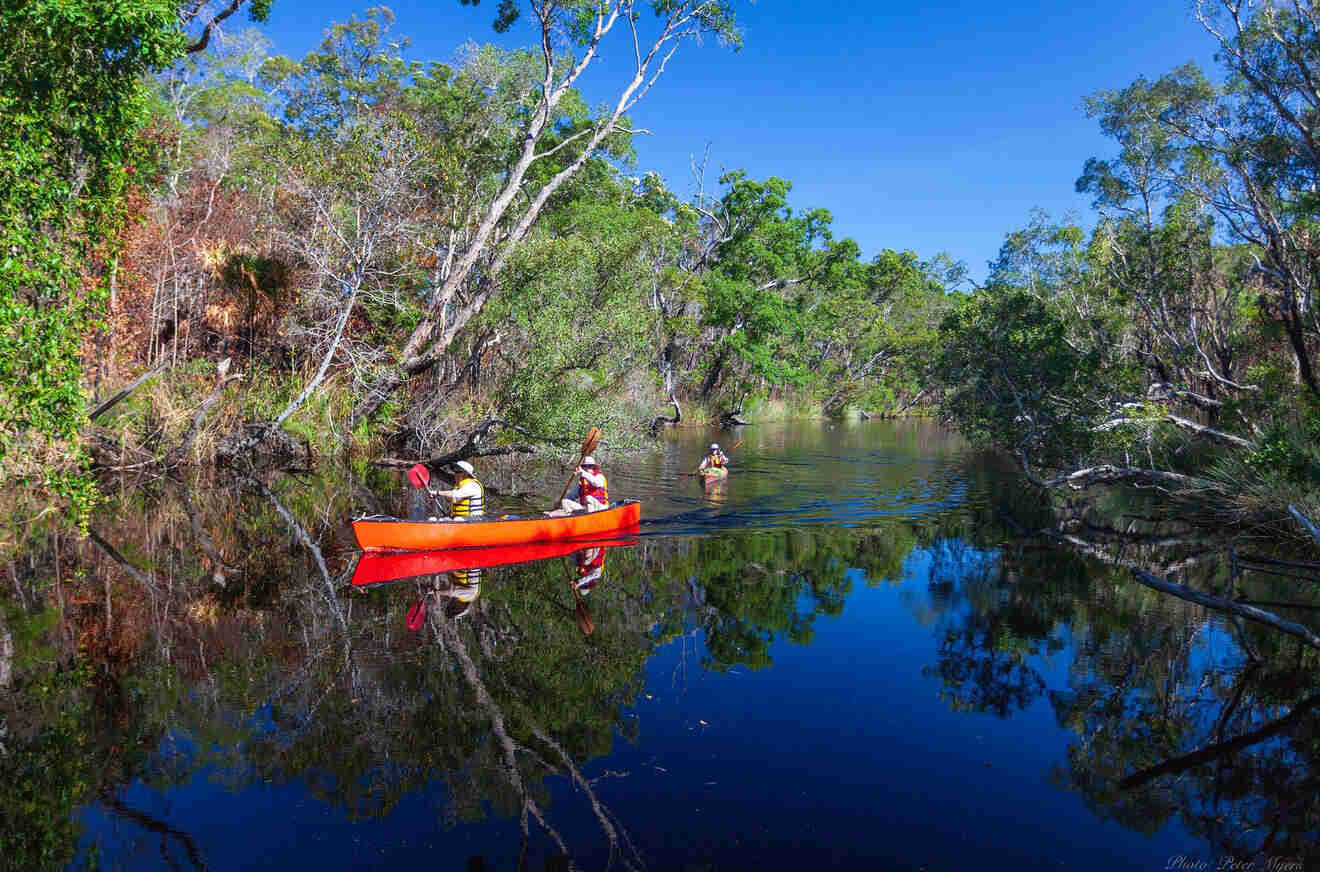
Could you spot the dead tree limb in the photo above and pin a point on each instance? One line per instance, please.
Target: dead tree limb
(1107, 473)
(132, 386)
(660, 420)
(222, 380)
(471, 446)
(1219, 604)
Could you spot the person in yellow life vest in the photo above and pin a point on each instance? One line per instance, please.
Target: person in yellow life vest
(467, 499)
(463, 592)
(591, 491)
(714, 459)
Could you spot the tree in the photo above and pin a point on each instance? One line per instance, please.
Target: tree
(462, 293)
(71, 99)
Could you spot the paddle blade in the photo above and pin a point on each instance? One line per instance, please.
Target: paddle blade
(593, 439)
(736, 444)
(420, 476)
(585, 623)
(416, 615)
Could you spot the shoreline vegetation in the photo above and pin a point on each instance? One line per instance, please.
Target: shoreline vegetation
(361, 253)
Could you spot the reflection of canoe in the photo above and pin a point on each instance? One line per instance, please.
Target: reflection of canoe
(391, 534)
(377, 567)
(715, 473)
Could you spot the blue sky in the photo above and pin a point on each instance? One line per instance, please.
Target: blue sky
(930, 126)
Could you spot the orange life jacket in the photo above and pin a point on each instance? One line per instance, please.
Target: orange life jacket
(601, 492)
(594, 563)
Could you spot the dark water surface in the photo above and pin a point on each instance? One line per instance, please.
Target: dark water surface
(870, 648)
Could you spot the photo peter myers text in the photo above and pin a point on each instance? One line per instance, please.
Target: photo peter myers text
(1185, 863)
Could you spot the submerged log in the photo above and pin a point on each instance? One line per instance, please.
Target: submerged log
(1219, 604)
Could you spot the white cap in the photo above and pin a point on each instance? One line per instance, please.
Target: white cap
(466, 467)
(714, 446)
(589, 461)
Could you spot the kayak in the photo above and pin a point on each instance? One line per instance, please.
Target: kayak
(376, 567)
(715, 473)
(392, 534)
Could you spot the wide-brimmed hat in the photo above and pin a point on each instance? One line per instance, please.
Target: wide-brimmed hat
(466, 467)
(589, 461)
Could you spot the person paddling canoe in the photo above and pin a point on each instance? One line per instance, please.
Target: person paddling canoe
(591, 491)
(714, 459)
(467, 499)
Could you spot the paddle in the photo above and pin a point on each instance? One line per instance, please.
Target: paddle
(420, 477)
(588, 445)
(585, 622)
(416, 615)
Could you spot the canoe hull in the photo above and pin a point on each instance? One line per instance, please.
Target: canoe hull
(380, 566)
(395, 535)
(715, 473)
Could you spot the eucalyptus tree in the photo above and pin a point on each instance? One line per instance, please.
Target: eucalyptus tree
(561, 28)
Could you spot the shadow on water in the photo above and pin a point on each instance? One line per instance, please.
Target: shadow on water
(869, 645)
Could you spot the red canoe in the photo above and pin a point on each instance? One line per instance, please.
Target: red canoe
(390, 534)
(377, 567)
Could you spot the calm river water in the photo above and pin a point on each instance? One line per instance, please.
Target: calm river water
(870, 648)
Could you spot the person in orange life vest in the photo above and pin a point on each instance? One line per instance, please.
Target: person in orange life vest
(714, 459)
(467, 499)
(592, 491)
(590, 567)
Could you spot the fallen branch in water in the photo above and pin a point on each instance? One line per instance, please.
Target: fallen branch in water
(660, 420)
(1260, 616)
(472, 446)
(1107, 473)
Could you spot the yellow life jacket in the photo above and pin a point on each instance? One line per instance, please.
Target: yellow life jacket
(469, 507)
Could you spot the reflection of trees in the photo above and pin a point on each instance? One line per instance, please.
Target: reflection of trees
(222, 639)
(211, 631)
(996, 613)
(1177, 717)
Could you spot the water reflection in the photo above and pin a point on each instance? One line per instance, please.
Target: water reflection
(882, 645)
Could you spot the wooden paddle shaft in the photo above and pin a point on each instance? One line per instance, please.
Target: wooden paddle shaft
(588, 445)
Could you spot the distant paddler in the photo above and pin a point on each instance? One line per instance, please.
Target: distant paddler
(715, 462)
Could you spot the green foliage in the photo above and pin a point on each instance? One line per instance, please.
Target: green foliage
(71, 101)
(1011, 377)
(574, 298)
